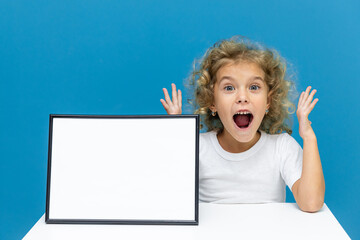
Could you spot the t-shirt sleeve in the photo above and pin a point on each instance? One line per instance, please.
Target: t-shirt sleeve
(291, 159)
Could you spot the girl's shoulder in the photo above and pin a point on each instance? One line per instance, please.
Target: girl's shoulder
(206, 139)
(207, 136)
(285, 142)
(282, 140)
(279, 136)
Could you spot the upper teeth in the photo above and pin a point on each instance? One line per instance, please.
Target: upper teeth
(244, 112)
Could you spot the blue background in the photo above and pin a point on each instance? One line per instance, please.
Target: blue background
(114, 57)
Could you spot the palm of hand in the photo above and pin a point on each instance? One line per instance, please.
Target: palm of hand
(174, 106)
(305, 106)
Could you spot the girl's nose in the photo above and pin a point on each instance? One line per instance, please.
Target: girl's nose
(242, 100)
(242, 97)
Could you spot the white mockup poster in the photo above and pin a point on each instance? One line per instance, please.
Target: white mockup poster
(123, 169)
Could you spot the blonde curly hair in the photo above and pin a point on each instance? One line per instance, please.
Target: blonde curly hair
(203, 78)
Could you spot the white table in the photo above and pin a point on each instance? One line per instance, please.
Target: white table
(216, 221)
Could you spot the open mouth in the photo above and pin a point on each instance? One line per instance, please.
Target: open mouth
(243, 120)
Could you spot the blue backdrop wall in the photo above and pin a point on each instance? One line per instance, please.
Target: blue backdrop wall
(114, 57)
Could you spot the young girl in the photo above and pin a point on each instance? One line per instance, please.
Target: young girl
(241, 95)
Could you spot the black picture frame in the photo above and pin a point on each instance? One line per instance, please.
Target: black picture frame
(138, 221)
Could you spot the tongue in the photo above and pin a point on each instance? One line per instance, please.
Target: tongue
(242, 120)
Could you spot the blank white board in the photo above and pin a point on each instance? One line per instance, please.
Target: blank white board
(123, 169)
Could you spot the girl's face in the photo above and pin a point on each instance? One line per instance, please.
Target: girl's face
(240, 88)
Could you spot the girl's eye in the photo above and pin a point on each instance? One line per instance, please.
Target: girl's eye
(254, 87)
(229, 88)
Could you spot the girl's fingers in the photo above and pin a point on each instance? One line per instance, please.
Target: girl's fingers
(165, 105)
(172, 106)
(310, 98)
(180, 98)
(306, 103)
(300, 99)
(167, 97)
(306, 94)
(306, 97)
(312, 105)
(174, 94)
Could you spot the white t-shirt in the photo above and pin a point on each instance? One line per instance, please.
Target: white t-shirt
(257, 175)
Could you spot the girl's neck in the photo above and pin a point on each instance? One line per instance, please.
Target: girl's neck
(229, 144)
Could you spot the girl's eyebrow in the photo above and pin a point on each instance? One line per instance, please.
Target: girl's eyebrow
(232, 79)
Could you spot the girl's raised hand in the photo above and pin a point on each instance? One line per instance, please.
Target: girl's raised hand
(174, 106)
(305, 106)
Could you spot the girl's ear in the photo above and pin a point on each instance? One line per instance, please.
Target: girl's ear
(268, 100)
(212, 108)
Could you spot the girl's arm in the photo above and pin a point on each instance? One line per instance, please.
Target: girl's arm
(309, 190)
(174, 106)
